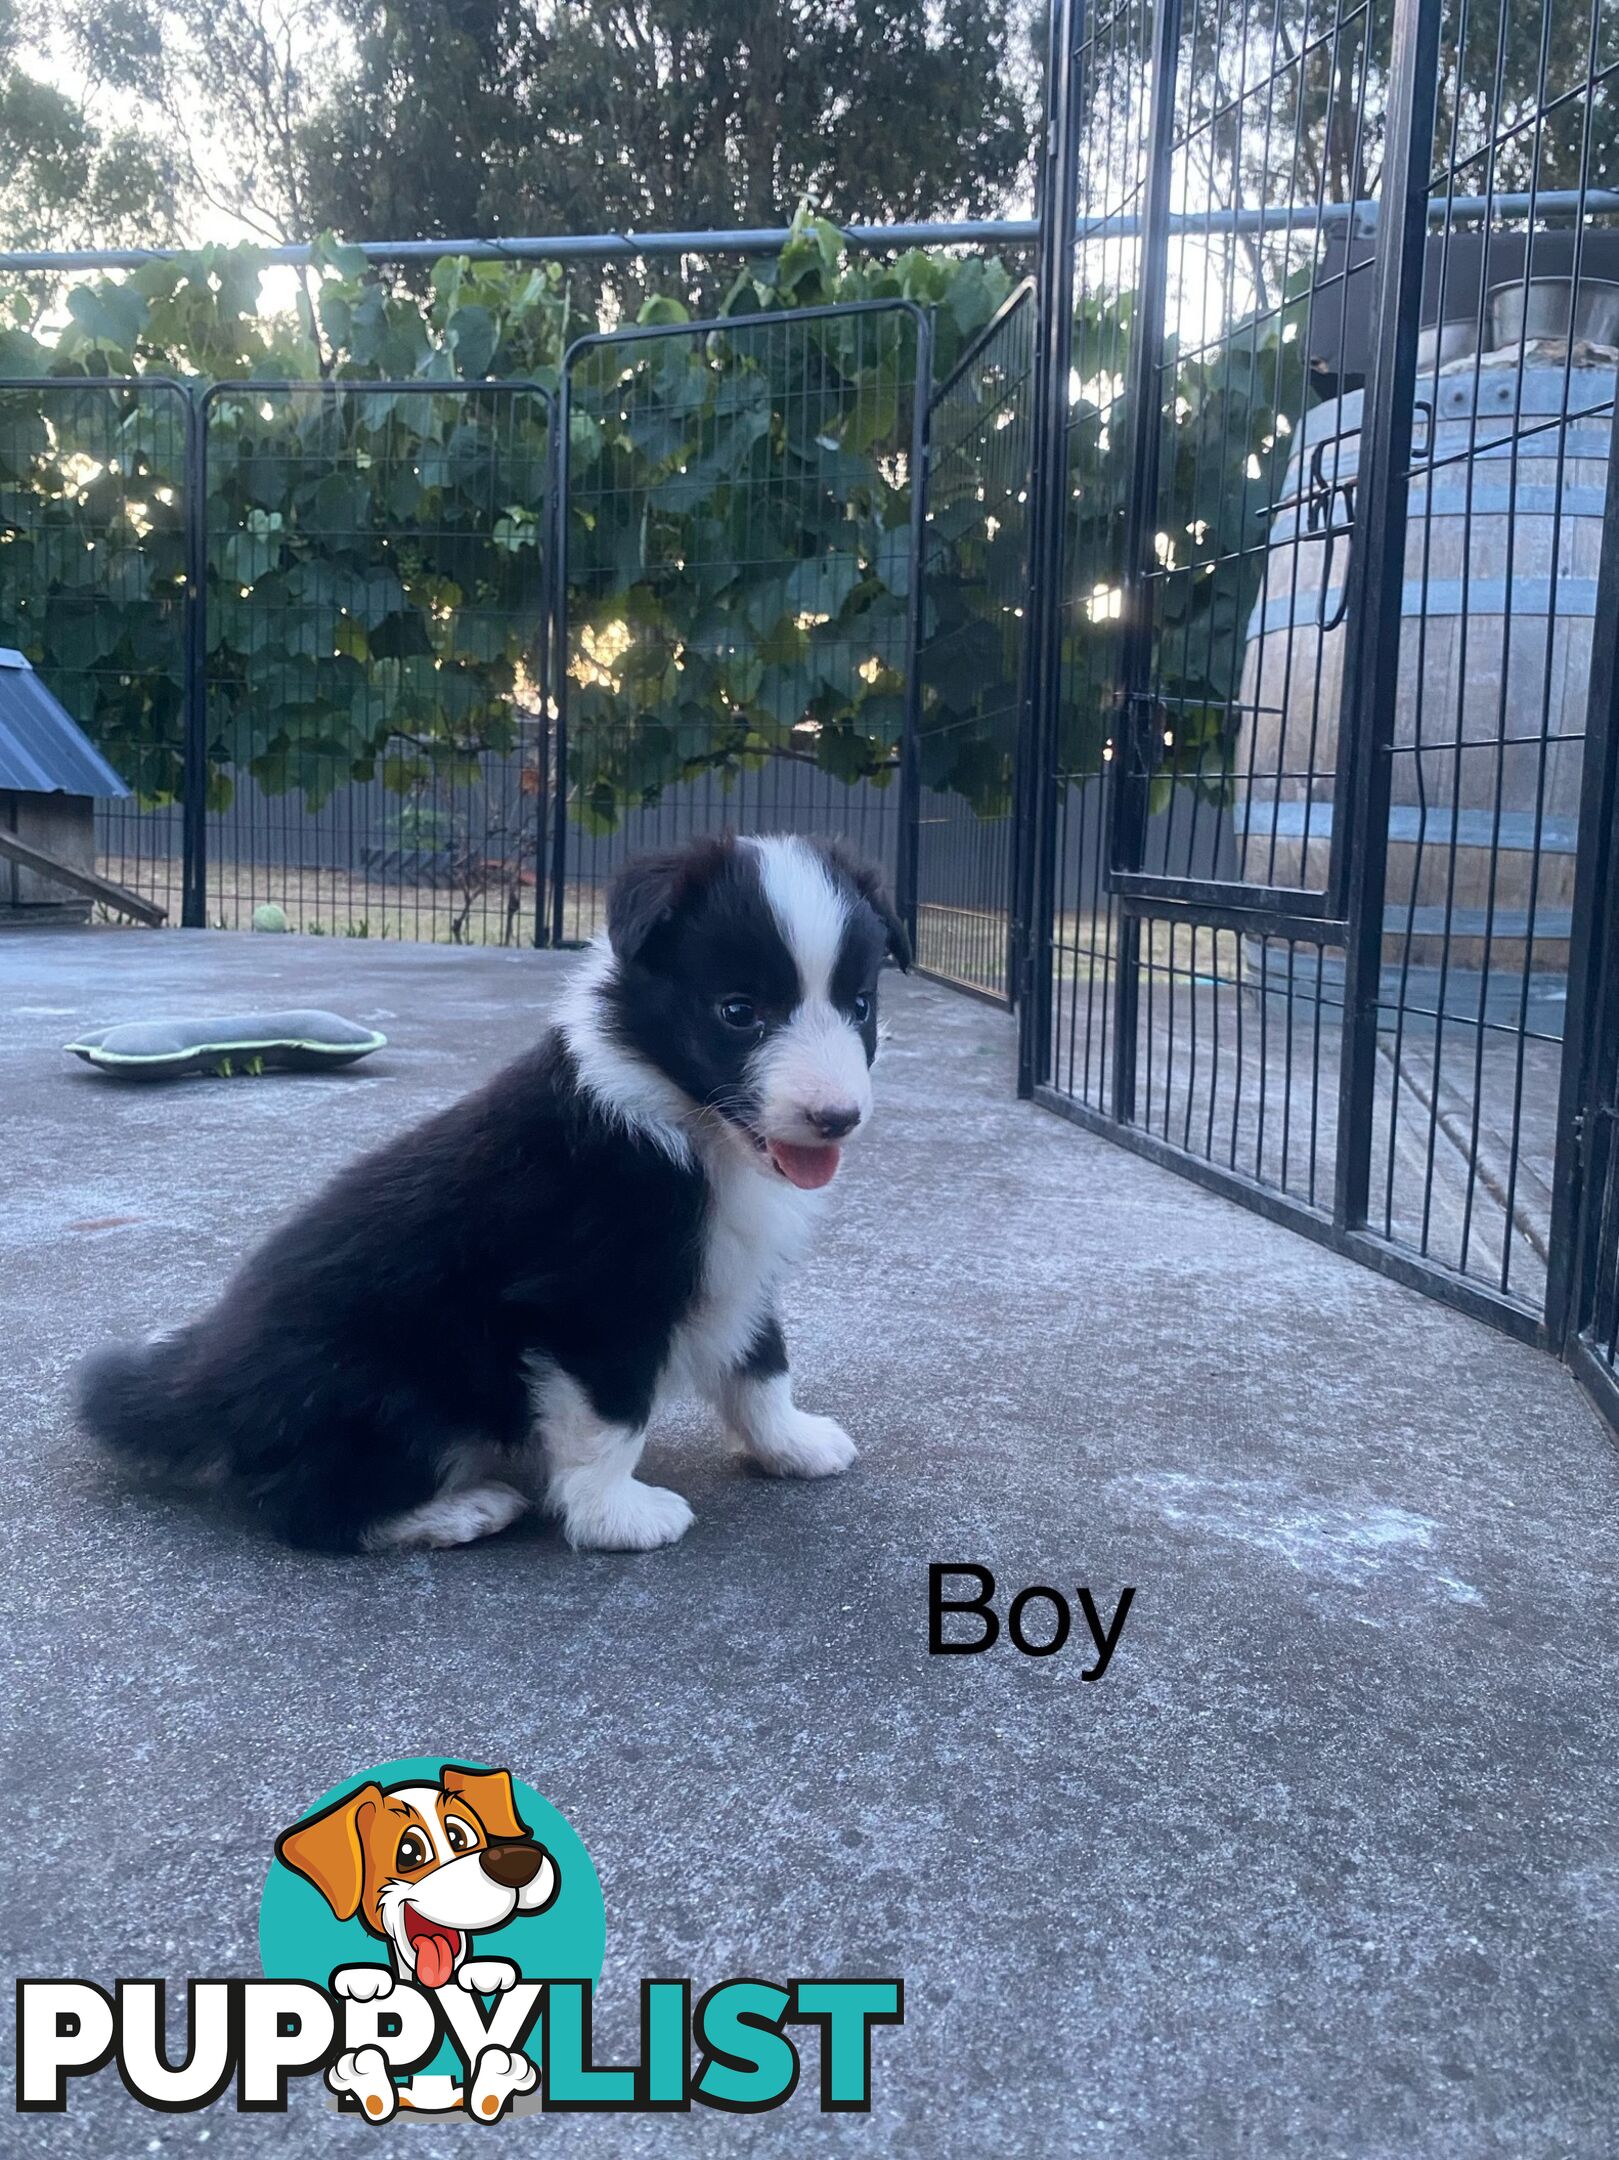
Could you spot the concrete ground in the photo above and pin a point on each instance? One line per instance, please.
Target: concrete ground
(1327, 1864)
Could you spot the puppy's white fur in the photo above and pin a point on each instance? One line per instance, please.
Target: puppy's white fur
(642, 1099)
(781, 1438)
(817, 1062)
(466, 1507)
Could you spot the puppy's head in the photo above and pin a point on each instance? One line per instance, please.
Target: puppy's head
(747, 974)
(425, 1866)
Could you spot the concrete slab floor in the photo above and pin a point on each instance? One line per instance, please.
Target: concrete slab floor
(1328, 1863)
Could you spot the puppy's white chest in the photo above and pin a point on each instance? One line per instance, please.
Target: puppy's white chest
(758, 1227)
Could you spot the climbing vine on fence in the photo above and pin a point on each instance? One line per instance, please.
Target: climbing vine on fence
(375, 558)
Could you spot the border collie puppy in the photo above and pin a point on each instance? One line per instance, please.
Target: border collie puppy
(487, 1311)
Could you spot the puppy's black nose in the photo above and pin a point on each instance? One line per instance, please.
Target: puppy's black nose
(512, 1865)
(835, 1120)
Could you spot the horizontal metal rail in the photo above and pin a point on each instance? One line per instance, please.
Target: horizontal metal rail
(567, 247)
(1361, 217)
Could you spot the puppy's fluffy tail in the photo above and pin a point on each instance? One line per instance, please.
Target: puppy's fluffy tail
(133, 1398)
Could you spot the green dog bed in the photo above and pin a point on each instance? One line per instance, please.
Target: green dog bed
(261, 1042)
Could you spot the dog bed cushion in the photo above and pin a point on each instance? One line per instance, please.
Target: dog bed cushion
(165, 1049)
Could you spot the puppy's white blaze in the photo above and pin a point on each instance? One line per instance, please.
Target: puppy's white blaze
(811, 910)
(817, 1062)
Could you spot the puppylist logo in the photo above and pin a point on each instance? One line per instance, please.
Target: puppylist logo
(431, 1935)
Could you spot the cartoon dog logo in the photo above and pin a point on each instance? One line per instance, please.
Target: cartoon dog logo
(425, 1867)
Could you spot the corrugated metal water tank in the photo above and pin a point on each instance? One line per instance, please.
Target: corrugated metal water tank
(1499, 600)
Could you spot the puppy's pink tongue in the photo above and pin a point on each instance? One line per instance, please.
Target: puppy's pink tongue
(806, 1167)
(435, 1960)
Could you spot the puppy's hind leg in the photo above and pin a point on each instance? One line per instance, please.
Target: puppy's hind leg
(589, 1464)
(756, 1400)
(469, 1504)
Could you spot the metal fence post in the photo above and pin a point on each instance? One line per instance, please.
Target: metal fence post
(194, 811)
(907, 867)
(1376, 583)
(551, 660)
(1135, 725)
(542, 824)
(559, 649)
(1582, 1164)
(1035, 875)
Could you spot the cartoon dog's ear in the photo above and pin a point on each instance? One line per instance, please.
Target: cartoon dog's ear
(867, 881)
(326, 1849)
(489, 1795)
(650, 891)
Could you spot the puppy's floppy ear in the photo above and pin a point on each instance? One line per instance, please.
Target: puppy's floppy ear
(651, 890)
(326, 1849)
(489, 1795)
(867, 881)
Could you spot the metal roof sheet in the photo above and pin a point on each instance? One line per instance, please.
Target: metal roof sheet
(43, 750)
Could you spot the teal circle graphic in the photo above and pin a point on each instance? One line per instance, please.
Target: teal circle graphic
(301, 1938)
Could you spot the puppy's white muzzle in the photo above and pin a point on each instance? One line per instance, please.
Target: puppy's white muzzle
(811, 1079)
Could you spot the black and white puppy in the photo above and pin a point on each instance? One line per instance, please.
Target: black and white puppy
(487, 1311)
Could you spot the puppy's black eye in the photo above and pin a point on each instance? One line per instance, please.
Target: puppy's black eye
(738, 1013)
(460, 1838)
(414, 1850)
(861, 1009)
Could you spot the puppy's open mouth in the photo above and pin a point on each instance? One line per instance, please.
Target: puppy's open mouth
(809, 1168)
(436, 1948)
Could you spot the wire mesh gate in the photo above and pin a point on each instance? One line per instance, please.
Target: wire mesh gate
(1320, 633)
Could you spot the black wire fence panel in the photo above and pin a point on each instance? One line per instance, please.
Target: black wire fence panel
(1237, 719)
(741, 534)
(1514, 402)
(1226, 736)
(1244, 1082)
(1213, 858)
(376, 657)
(974, 599)
(94, 485)
(1113, 60)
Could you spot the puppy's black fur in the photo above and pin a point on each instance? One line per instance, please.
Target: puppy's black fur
(387, 1326)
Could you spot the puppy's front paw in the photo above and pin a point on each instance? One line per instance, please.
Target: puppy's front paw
(627, 1517)
(487, 1976)
(363, 1983)
(362, 2074)
(799, 1445)
(500, 2075)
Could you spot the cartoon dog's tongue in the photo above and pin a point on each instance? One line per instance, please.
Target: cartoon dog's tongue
(806, 1167)
(435, 1948)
